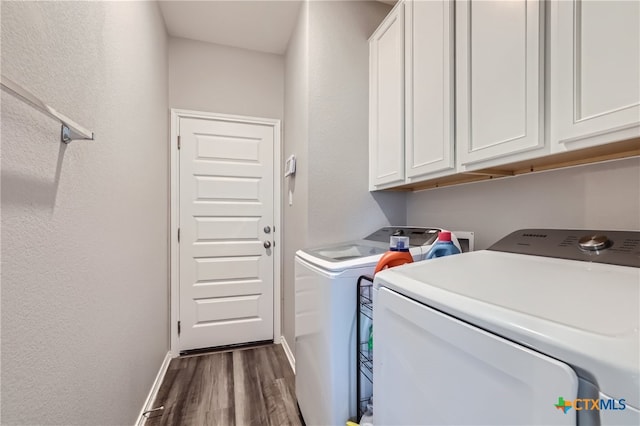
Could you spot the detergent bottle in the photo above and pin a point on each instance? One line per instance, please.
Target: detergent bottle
(443, 247)
(397, 255)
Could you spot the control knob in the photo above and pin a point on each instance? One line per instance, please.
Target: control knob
(594, 242)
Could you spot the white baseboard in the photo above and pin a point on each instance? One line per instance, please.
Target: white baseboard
(148, 403)
(288, 353)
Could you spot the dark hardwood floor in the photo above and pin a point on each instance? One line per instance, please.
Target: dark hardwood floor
(251, 386)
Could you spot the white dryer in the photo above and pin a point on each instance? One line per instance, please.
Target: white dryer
(325, 315)
(542, 328)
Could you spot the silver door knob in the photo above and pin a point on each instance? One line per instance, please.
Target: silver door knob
(267, 229)
(267, 244)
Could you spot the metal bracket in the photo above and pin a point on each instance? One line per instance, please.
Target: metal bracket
(146, 413)
(68, 134)
(70, 130)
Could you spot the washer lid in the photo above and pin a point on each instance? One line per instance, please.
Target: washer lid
(585, 314)
(347, 251)
(339, 257)
(355, 254)
(366, 252)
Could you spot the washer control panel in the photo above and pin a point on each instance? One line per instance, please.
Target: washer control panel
(611, 247)
(417, 236)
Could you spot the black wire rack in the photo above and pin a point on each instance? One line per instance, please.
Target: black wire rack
(364, 351)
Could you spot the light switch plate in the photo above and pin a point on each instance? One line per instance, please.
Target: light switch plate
(290, 166)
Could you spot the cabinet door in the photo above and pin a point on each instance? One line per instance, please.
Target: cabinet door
(386, 101)
(429, 92)
(595, 72)
(499, 78)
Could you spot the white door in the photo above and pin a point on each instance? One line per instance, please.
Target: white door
(386, 102)
(595, 72)
(499, 80)
(429, 89)
(226, 220)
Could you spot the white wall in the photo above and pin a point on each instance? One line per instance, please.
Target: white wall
(214, 78)
(599, 196)
(340, 206)
(296, 128)
(326, 126)
(84, 226)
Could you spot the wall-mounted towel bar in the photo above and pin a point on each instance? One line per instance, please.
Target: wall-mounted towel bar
(70, 130)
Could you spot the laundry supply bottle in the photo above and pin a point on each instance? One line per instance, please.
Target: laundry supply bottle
(397, 255)
(443, 246)
(367, 417)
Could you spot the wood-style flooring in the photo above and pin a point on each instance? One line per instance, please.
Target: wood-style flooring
(253, 386)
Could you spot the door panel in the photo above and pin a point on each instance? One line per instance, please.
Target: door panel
(227, 228)
(498, 73)
(386, 102)
(499, 79)
(595, 71)
(226, 200)
(596, 58)
(223, 188)
(452, 373)
(429, 90)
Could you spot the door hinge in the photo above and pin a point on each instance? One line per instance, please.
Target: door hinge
(178, 141)
(178, 328)
(178, 234)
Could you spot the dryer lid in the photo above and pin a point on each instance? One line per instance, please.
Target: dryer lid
(585, 314)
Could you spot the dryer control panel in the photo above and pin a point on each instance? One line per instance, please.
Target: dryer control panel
(611, 247)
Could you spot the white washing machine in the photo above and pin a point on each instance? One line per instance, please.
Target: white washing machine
(542, 328)
(325, 314)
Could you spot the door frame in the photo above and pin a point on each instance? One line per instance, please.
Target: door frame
(176, 115)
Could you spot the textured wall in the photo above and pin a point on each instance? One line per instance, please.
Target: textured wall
(213, 78)
(84, 226)
(340, 206)
(599, 196)
(326, 126)
(296, 125)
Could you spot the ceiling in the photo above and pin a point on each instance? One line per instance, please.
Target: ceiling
(262, 25)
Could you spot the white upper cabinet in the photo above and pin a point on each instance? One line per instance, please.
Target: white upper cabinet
(476, 87)
(429, 94)
(386, 102)
(499, 82)
(595, 72)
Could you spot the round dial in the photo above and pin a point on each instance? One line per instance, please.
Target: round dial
(594, 242)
